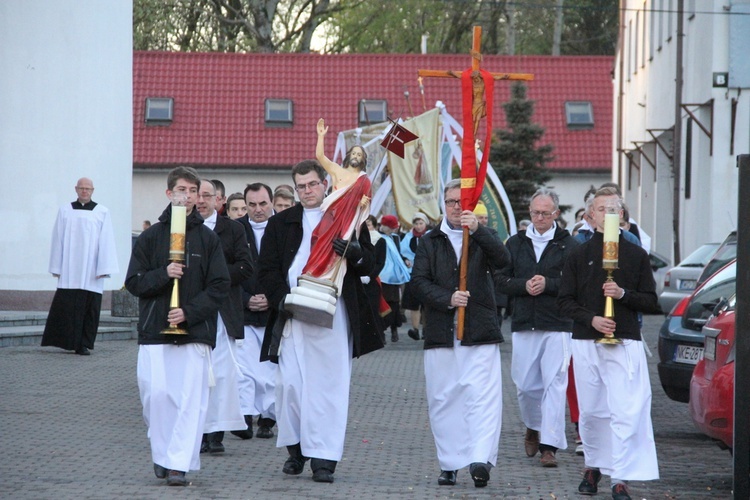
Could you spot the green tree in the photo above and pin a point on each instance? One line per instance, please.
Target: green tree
(520, 163)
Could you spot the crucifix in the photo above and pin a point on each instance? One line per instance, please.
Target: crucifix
(477, 92)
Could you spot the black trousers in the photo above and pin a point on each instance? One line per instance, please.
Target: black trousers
(73, 319)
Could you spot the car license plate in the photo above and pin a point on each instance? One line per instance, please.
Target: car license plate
(710, 352)
(688, 354)
(687, 284)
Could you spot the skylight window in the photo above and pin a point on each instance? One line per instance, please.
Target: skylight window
(279, 112)
(372, 111)
(579, 114)
(159, 110)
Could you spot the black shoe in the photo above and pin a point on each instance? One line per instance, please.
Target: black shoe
(160, 471)
(215, 444)
(248, 433)
(480, 473)
(589, 485)
(322, 470)
(176, 478)
(620, 492)
(414, 333)
(295, 464)
(204, 444)
(83, 351)
(264, 432)
(394, 336)
(447, 478)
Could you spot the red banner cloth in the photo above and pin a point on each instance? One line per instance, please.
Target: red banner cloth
(472, 180)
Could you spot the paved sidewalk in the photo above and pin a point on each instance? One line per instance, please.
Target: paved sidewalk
(72, 428)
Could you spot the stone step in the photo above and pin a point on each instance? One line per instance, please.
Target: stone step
(19, 328)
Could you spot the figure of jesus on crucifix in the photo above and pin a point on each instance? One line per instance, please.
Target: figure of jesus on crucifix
(344, 212)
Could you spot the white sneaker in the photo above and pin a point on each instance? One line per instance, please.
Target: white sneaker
(579, 449)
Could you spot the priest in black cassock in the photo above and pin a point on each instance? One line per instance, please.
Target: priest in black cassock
(82, 255)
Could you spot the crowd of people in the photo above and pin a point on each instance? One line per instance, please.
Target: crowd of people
(231, 355)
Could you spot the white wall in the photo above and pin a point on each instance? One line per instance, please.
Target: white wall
(66, 99)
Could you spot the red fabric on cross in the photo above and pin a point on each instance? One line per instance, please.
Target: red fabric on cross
(470, 195)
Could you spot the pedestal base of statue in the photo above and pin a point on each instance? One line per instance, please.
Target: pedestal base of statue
(313, 301)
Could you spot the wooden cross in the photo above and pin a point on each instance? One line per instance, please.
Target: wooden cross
(476, 58)
(478, 111)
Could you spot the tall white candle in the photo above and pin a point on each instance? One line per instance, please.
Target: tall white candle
(179, 214)
(612, 227)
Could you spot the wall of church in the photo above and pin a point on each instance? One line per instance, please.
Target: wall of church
(66, 101)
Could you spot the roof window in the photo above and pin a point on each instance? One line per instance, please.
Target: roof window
(279, 113)
(373, 111)
(579, 114)
(159, 110)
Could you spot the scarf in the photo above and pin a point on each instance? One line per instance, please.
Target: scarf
(540, 240)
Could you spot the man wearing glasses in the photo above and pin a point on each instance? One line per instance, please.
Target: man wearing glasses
(463, 377)
(314, 362)
(541, 335)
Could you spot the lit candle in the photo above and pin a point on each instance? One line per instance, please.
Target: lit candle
(612, 227)
(179, 214)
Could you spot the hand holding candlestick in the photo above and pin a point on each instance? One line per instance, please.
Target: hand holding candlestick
(175, 268)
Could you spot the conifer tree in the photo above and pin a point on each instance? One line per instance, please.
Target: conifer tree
(520, 163)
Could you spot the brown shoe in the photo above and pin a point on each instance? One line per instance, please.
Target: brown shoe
(548, 459)
(531, 442)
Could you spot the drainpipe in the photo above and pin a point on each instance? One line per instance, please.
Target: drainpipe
(620, 92)
(677, 140)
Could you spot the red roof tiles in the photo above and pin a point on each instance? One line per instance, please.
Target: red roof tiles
(219, 102)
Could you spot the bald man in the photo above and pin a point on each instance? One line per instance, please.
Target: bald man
(82, 255)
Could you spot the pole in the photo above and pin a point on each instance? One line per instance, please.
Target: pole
(741, 448)
(677, 139)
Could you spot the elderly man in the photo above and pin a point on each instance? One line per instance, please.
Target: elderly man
(464, 379)
(312, 394)
(612, 381)
(224, 413)
(541, 335)
(82, 255)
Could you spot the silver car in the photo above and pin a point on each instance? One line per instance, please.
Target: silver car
(680, 281)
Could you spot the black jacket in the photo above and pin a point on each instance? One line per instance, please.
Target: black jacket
(203, 286)
(581, 297)
(434, 278)
(251, 286)
(537, 312)
(279, 246)
(237, 257)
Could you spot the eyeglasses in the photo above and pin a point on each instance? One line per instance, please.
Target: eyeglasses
(309, 185)
(453, 203)
(536, 213)
(206, 196)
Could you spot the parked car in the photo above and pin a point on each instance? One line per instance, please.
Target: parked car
(712, 385)
(681, 336)
(726, 253)
(659, 266)
(681, 280)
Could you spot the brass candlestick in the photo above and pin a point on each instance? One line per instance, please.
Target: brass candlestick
(176, 254)
(610, 258)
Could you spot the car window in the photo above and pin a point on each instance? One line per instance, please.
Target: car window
(701, 256)
(726, 252)
(721, 285)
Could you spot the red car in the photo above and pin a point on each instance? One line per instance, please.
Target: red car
(712, 385)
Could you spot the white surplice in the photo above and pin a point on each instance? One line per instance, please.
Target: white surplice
(257, 379)
(173, 385)
(224, 412)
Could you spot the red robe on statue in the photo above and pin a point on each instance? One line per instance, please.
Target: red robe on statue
(342, 215)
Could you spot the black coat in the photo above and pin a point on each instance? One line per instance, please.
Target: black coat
(251, 286)
(434, 279)
(203, 286)
(279, 246)
(237, 257)
(537, 312)
(581, 297)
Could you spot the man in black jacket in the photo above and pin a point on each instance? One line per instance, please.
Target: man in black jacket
(224, 413)
(612, 381)
(173, 368)
(463, 377)
(541, 335)
(258, 380)
(314, 361)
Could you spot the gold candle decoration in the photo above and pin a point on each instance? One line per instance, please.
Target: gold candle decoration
(610, 257)
(176, 254)
(177, 234)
